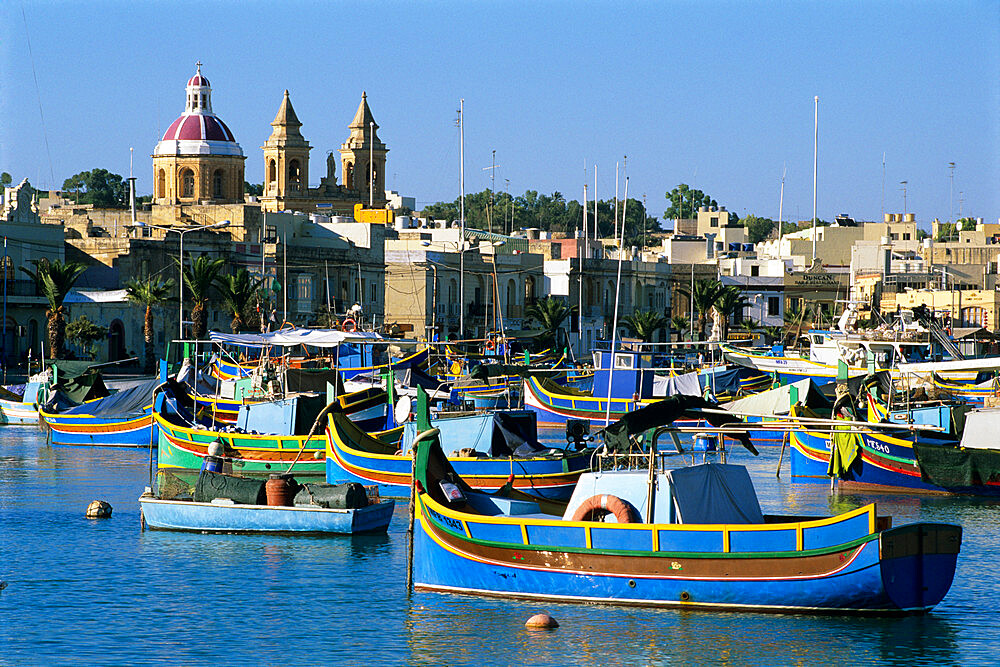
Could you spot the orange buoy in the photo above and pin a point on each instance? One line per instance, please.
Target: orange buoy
(596, 507)
(349, 322)
(541, 622)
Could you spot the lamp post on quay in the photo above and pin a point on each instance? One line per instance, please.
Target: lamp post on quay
(181, 231)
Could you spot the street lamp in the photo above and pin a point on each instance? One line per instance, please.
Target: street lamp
(181, 231)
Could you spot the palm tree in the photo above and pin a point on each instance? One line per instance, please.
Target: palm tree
(706, 294)
(730, 302)
(794, 314)
(198, 280)
(238, 291)
(748, 324)
(550, 313)
(645, 324)
(54, 280)
(148, 292)
(680, 324)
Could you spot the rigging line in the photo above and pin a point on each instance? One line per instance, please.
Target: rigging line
(38, 95)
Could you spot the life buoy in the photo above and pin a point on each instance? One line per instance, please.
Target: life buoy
(595, 507)
(349, 322)
(490, 345)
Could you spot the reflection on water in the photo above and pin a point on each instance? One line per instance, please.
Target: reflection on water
(90, 591)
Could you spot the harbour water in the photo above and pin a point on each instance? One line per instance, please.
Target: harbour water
(84, 591)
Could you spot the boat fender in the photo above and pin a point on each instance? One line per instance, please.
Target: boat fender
(595, 507)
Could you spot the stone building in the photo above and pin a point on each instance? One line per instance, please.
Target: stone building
(198, 159)
(286, 166)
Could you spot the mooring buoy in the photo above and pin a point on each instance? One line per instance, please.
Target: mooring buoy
(99, 509)
(541, 622)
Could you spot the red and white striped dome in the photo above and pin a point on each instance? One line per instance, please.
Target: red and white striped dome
(199, 80)
(198, 131)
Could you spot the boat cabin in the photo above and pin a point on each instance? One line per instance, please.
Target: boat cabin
(623, 373)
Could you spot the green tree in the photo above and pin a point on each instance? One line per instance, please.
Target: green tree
(645, 324)
(684, 202)
(758, 229)
(550, 313)
(199, 279)
(54, 279)
(85, 333)
(707, 292)
(239, 293)
(729, 302)
(148, 292)
(98, 187)
(680, 324)
(5, 179)
(253, 189)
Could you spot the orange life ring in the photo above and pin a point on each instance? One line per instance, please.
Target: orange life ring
(349, 322)
(490, 345)
(595, 507)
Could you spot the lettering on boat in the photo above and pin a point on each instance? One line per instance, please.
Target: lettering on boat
(878, 446)
(454, 524)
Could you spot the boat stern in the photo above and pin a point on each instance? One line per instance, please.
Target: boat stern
(918, 563)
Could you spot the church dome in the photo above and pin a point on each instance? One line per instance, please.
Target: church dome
(198, 131)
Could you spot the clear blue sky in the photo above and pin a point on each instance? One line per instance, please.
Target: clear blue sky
(718, 95)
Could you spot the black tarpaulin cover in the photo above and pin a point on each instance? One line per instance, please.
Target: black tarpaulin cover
(948, 466)
(666, 412)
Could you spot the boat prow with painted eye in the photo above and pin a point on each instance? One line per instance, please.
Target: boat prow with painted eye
(692, 537)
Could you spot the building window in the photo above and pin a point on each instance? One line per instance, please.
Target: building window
(270, 234)
(374, 293)
(272, 172)
(294, 172)
(906, 237)
(714, 221)
(773, 306)
(187, 183)
(303, 287)
(161, 184)
(754, 269)
(217, 182)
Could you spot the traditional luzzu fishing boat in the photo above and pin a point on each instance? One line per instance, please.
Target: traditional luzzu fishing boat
(627, 380)
(350, 352)
(690, 538)
(123, 419)
(267, 438)
(937, 448)
(19, 403)
(78, 380)
(495, 450)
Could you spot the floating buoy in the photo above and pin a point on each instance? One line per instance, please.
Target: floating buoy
(541, 622)
(98, 509)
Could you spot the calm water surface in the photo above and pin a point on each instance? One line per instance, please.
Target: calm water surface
(103, 592)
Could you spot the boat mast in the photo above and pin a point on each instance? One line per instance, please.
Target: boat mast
(614, 318)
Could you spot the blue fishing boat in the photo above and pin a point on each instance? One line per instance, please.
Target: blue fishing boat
(690, 538)
(225, 516)
(123, 419)
(491, 450)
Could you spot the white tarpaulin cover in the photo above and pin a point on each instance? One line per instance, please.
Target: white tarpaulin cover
(714, 493)
(687, 383)
(771, 402)
(981, 428)
(295, 336)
